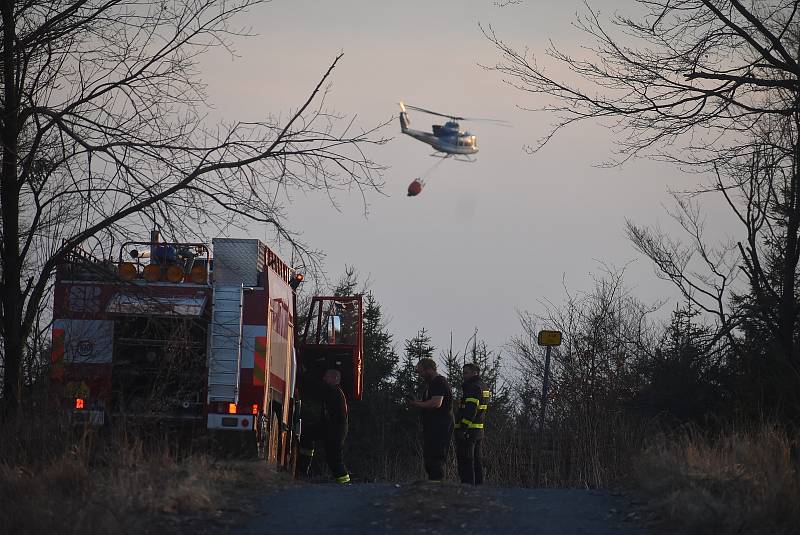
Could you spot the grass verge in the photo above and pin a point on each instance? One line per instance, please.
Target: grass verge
(78, 484)
(734, 482)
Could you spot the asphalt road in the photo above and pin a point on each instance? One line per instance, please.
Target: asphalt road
(443, 508)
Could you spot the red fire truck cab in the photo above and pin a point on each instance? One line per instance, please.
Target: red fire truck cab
(189, 334)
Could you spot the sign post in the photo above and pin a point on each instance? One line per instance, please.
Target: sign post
(547, 339)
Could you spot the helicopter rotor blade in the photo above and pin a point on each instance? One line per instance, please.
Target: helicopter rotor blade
(497, 122)
(454, 117)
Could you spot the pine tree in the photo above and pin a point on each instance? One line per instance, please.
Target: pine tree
(380, 359)
(489, 363)
(454, 368)
(348, 283)
(420, 346)
(682, 379)
(407, 382)
(373, 421)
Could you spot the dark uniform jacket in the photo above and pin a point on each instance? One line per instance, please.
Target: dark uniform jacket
(334, 411)
(472, 409)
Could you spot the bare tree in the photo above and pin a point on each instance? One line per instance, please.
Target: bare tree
(762, 193)
(596, 376)
(606, 335)
(687, 74)
(713, 85)
(705, 275)
(104, 129)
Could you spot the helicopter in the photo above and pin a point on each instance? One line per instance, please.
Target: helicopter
(448, 139)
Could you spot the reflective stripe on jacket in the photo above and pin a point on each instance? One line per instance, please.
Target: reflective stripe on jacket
(474, 402)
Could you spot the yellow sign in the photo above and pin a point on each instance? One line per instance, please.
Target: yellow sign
(549, 338)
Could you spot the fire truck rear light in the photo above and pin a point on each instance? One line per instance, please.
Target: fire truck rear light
(245, 422)
(255, 409)
(78, 403)
(174, 273)
(127, 271)
(231, 408)
(152, 273)
(198, 275)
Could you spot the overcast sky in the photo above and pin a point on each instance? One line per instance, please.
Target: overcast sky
(483, 240)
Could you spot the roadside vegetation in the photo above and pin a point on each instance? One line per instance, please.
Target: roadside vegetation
(642, 406)
(62, 479)
(738, 481)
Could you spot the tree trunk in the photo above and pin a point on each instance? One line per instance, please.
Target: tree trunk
(11, 299)
(788, 306)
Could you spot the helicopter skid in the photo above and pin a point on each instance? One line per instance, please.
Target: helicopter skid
(457, 157)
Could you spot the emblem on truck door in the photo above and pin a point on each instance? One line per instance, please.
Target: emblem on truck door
(85, 347)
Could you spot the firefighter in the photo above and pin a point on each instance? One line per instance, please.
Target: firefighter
(330, 430)
(469, 425)
(437, 419)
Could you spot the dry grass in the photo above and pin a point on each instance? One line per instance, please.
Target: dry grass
(736, 482)
(579, 455)
(576, 454)
(64, 482)
(67, 496)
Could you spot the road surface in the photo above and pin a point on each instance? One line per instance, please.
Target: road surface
(440, 508)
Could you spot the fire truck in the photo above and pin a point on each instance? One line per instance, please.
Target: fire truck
(187, 334)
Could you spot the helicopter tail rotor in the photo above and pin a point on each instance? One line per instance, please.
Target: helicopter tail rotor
(405, 122)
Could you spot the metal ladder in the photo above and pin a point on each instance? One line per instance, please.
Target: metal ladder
(225, 345)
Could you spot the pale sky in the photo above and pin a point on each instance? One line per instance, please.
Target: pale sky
(483, 240)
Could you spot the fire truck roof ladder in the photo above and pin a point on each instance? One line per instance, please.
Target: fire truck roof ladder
(226, 344)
